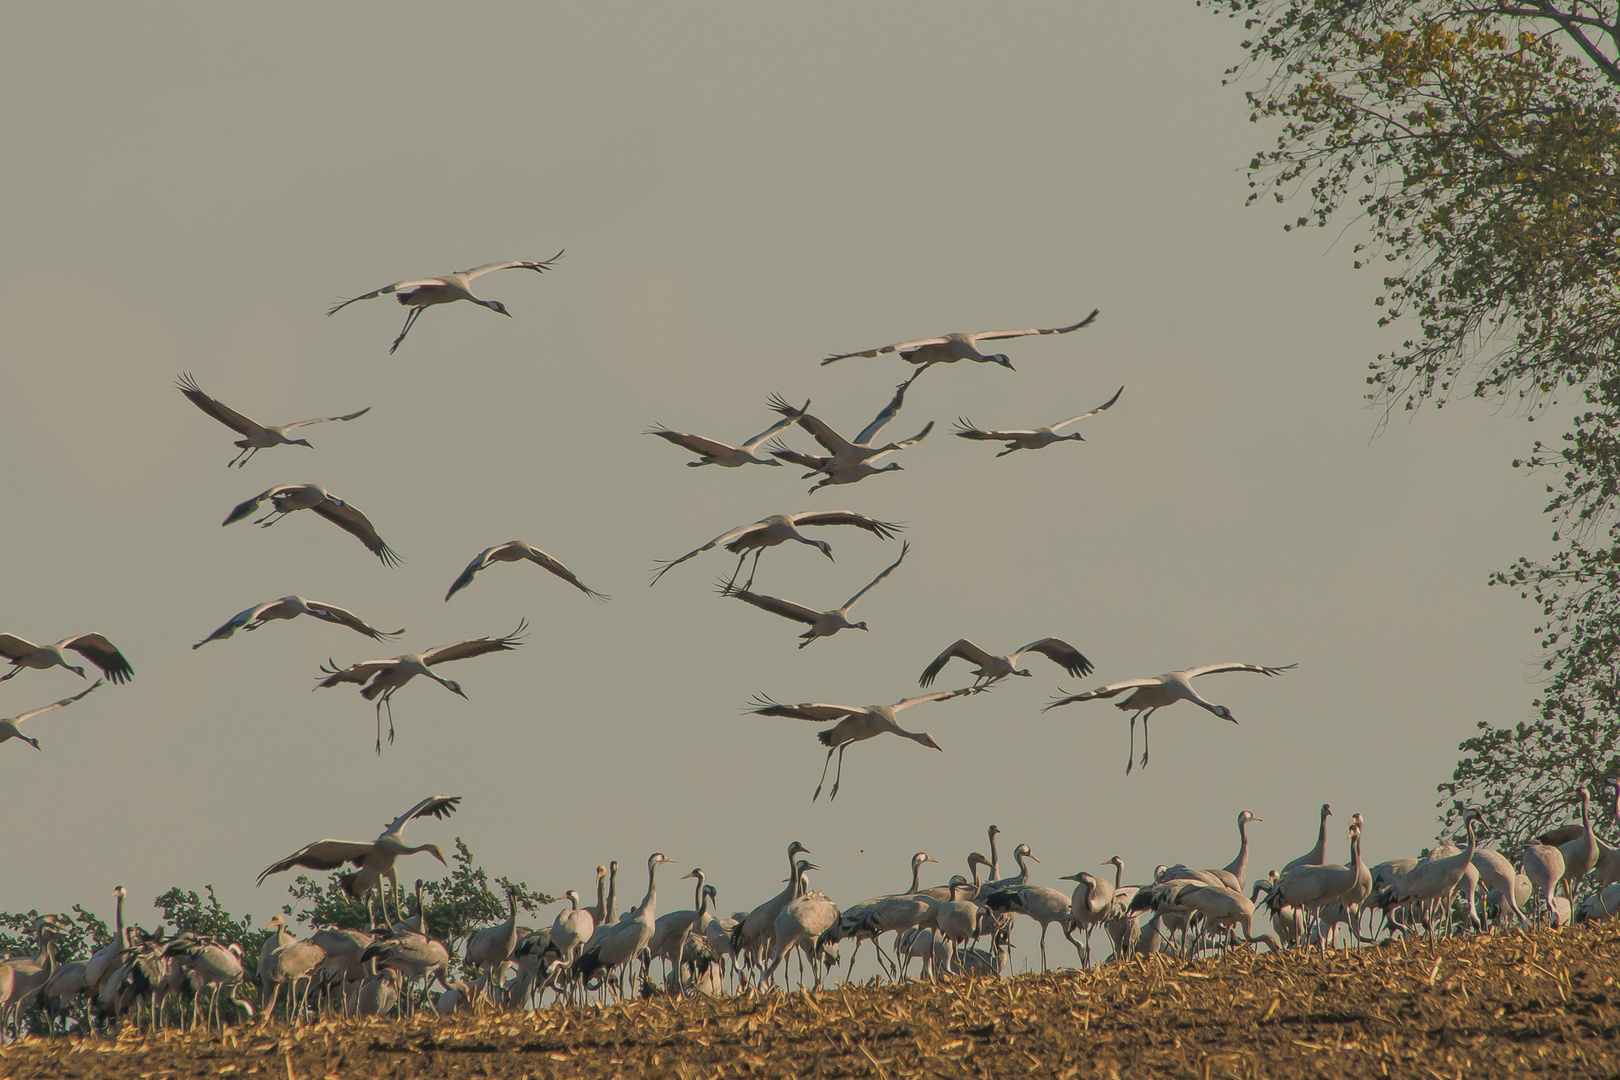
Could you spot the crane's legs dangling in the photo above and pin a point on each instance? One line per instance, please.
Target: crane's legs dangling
(823, 779)
(1130, 755)
(1145, 720)
(409, 320)
(838, 776)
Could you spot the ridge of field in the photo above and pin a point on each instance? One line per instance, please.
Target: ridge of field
(1510, 1003)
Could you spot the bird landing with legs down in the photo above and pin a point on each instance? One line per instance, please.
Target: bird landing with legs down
(379, 679)
(419, 294)
(856, 724)
(374, 860)
(1154, 693)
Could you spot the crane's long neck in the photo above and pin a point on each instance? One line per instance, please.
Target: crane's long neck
(1357, 866)
(1586, 814)
(1239, 866)
(421, 911)
(697, 904)
(601, 896)
(1319, 856)
(1023, 868)
(1119, 874)
(649, 903)
(916, 874)
(511, 910)
(121, 935)
(612, 909)
(995, 860)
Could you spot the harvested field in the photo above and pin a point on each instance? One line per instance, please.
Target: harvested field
(1508, 1004)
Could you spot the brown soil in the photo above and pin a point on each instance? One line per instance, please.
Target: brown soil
(1506, 1005)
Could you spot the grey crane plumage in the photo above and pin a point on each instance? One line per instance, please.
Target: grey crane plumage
(949, 348)
(286, 498)
(255, 436)
(290, 607)
(821, 623)
(381, 679)
(374, 860)
(1317, 855)
(10, 730)
(713, 452)
(1154, 693)
(1031, 438)
(419, 294)
(847, 460)
(994, 668)
(856, 724)
(513, 551)
(778, 529)
(619, 943)
(93, 647)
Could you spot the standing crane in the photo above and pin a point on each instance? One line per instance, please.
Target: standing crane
(419, 294)
(1318, 854)
(1154, 693)
(619, 943)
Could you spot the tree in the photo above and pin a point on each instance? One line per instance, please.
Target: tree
(1478, 146)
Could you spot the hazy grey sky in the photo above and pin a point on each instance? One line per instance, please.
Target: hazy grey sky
(741, 189)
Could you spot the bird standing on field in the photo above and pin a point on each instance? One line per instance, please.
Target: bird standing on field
(418, 294)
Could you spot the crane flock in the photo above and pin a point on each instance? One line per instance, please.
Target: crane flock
(959, 927)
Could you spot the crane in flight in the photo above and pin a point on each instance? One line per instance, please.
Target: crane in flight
(10, 730)
(418, 294)
(375, 860)
(1035, 438)
(995, 668)
(714, 452)
(93, 647)
(856, 723)
(379, 679)
(290, 607)
(256, 436)
(822, 623)
(513, 551)
(950, 348)
(848, 461)
(1154, 693)
(285, 498)
(779, 529)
